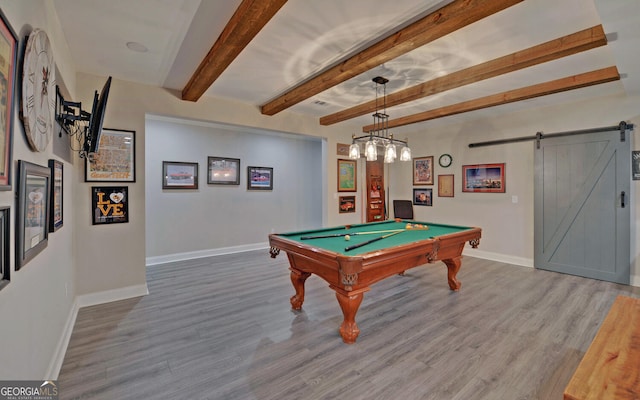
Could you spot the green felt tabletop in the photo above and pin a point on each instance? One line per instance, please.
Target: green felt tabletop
(338, 244)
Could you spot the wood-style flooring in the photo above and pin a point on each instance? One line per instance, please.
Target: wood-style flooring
(223, 328)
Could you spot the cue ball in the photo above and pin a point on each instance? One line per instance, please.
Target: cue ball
(347, 237)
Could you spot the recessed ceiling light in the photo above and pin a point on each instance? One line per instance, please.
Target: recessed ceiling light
(137, 47)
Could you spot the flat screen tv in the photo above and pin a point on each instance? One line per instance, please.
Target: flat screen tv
(92, 139)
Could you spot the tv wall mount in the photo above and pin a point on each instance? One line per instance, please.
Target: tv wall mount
(74, 121)
(82, 125)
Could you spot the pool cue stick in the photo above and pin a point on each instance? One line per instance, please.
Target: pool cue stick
(323, 236)
(374, 232)
(355, 246)
(350, 234)
(423, 228)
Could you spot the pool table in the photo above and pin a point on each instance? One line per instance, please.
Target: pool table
(350, 273)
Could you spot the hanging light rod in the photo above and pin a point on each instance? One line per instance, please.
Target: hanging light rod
(379, 135)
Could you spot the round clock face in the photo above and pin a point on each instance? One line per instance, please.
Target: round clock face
(38, 91)
(445, 160)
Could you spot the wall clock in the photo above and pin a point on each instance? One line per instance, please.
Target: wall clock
(38, 90)
(445, 160)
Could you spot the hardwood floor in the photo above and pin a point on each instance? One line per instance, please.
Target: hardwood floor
(223, 328)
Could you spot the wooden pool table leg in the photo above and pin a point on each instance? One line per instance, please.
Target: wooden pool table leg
(453, 266)
(298, 278)
(349, 303)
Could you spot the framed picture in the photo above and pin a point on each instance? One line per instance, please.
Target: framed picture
(32, 223)
(423, 197)
(483, 178)
(223, 171)
(445, 186)
(347, 177)
(8, 55)
(110, 205)
(259, 178)
(115, 160)
(56, 207)
(342, 149)
(179, 175)
(423, 171)
(347, 204)
(5, 236)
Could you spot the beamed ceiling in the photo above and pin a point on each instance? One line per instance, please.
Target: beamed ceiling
(445, 60)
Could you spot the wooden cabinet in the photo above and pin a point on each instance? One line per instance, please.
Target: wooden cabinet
(375, 191)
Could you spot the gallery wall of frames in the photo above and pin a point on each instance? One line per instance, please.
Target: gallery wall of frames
(39, 203)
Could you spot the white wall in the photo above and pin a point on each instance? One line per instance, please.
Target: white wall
(507, 227)
(223, 218)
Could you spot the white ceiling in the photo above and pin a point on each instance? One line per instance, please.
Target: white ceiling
(306, 36)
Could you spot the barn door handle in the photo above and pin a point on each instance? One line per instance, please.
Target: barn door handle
(622, 199)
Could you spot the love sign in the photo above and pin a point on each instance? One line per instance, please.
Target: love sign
(110, 205)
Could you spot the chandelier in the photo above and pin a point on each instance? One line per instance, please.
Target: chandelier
(379, 136)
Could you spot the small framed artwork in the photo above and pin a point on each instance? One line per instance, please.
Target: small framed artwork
(347, 178)
(347, 204)
(223, 171)
(55, 222)
(110, 204)
(179, 175)
(423, 171)
(5, 236)
(484, 178)
(32, 223)
(8, 55)
(423, 197)
(115, 160)
(260, 178)
(445, 186)
(342, 149)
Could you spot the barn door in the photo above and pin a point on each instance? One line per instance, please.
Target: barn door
(582, 212)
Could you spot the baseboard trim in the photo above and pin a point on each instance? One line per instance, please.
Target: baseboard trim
(204, 253)
(525, 262)
(108, 296)
(86, 300)
(487, 255)
(61, 349)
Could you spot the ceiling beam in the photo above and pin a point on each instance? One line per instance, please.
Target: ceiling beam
(250, 17)
(542, 89)
(442, 22)
(561, 47)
